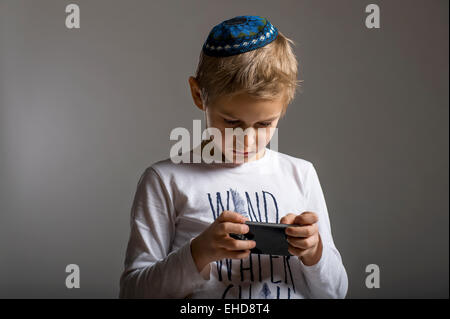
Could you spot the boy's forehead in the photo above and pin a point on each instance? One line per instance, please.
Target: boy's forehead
(246, 106)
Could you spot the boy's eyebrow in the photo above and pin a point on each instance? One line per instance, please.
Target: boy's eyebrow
(227, 114)
(267, 120)
(271, 119)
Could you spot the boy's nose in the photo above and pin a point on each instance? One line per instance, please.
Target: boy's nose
(249, 141)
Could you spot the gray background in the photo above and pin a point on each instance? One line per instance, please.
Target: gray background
(84, 112)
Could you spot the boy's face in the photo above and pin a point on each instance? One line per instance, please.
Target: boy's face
(243, 111)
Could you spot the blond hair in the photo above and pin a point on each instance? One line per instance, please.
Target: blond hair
(267, 73)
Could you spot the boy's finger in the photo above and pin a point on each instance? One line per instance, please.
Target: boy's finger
(229, 216)
(302, 243)
(302, 231)
(235, 228)
(288, 219)
(235, 244)
(306, 218)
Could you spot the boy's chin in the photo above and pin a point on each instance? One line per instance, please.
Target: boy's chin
(237, 159)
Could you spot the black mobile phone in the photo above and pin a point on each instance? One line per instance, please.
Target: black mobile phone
(270, 238)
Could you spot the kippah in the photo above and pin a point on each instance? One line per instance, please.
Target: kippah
(238, 35)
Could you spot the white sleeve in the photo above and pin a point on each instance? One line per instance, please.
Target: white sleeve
(151, 270)
(327, 278)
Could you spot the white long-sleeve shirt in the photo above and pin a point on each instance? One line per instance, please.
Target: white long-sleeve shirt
(175, 202)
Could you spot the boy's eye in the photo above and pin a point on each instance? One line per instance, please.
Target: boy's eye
(231, 122)
(235, 122)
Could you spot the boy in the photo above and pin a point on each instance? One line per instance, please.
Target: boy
(182, 214)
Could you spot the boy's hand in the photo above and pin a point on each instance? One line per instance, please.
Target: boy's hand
(215, 242)
(304, 240)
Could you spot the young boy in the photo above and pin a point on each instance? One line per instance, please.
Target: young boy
(183, 214)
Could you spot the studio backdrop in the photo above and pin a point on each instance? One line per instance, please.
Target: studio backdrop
(85, 109)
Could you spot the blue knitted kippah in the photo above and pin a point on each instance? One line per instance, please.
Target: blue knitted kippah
(238, 35)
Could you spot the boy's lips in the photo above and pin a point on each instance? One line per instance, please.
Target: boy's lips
(242, 153)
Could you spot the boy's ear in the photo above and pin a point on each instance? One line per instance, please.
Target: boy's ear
(195, 91)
